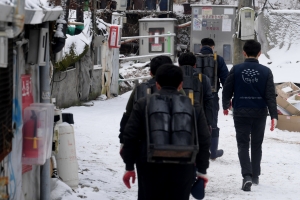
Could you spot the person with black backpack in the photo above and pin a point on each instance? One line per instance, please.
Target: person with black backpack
(141, 90)
(167, 137)
(155, 63)
(197, 82)
(207, 48)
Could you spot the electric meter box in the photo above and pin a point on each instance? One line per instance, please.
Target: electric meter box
(215, 22)
(4, 51)
(38, 39)
(157, 45)
(246, 24)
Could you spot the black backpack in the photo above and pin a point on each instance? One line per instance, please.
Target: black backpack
(192, 83)
(143, 89)
(171, 129)
(207, 64)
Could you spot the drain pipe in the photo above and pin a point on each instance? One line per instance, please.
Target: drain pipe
(184, 24)
(19, 17)
(45, 98)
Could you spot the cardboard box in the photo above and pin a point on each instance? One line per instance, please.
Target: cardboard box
(282, 111)
(297, 96)
(289, 123)
(292, 89)
(282, 102)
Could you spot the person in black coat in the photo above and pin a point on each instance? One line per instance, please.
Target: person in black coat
(163, 180)
(208, 45)
(189, 59)
(252, 87)
(155, 63)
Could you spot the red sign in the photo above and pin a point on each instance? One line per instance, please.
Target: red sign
(27, 99)
(113, 40)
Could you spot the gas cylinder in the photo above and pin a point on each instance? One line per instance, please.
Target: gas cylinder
(67, 165)
(30, 140)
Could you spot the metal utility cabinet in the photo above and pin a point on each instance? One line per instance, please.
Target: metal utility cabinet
(157, 45)
(216, 22)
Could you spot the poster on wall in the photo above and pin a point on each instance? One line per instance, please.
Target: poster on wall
(196, 11)
(226, 25)
(197, 23)
(156, 44)
(228, 11)
(207, 11)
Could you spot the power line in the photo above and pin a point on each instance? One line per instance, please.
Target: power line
(264, 5)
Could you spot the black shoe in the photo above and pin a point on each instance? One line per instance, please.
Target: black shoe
(247, 183)
(219, 153)
(255, 180)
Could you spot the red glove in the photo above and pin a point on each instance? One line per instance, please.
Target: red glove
(225, 112)
(273, 124)
(204, 177)
(127, 176)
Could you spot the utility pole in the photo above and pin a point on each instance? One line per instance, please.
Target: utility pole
(238, 43)
(45, 98)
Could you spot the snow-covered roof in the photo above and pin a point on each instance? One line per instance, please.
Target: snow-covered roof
(6, 10)
(6, 2)
(39, 11)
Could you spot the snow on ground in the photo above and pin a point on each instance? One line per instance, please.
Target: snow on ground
(101, 168)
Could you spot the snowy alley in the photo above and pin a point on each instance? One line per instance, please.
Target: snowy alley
(101, 167)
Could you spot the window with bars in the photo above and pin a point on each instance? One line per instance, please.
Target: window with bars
(6, 95)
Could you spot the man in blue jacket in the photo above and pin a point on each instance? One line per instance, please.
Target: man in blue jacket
(208, 45)
(252, 86)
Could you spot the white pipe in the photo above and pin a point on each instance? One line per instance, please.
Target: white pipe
(75, 23)
(145, 56)
(106, 24)
(54, 162)
(19, 17)
(149, 36)
(185, 24)
(136, 78)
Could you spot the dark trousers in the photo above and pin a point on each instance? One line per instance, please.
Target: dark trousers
(165, 181)
(244, 127)
(216, 108)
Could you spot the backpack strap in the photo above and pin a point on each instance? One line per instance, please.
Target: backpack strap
(191, 96)
(201, 91)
